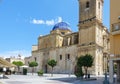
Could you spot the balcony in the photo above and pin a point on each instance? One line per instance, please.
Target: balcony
(115, 56)
(116, 28)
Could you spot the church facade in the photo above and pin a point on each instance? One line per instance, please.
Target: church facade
(66, 46)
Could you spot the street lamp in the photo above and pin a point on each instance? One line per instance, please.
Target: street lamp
(106, 79)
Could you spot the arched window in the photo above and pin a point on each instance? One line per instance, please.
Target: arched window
(87, 4)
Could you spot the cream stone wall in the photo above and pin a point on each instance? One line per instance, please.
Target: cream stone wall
(46, 42)
(99, 9)
(61, 32)
(99, 35)
(59, 41)
(99, 61)
(34, 47)
(86, 35)
(64, 65)
(36, 56)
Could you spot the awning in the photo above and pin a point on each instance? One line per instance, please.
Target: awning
(5, 63)
(25, 66)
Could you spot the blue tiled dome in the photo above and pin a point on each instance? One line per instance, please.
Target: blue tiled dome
(61, 26)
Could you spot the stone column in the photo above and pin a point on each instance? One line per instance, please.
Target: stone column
(118, 71)
(111, 71)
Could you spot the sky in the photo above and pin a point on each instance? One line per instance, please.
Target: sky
(23, 21)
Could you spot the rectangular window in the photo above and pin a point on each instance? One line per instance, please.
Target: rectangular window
(35, 58)
(87, 4)
(68, 57)
(60, 57)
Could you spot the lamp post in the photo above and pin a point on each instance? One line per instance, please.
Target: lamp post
(106, 79)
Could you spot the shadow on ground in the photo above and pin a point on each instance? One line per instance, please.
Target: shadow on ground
(74, 80)
(68, 80)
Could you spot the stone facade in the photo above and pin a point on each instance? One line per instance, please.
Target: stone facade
(66, 46)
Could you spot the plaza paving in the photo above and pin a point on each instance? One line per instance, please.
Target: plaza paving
(47, 79)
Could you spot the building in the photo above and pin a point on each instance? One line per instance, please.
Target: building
(13, 58)
(66, 46)
(114, 38)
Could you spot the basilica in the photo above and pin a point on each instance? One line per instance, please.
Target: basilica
(66, 46)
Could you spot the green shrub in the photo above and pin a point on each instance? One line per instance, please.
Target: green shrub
(78, 72)
(40, 73)
(24, 71)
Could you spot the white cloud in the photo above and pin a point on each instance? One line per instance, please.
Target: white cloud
(23, 53)
(34, 21)
(59, 19)
(47, 22)
(50, 22)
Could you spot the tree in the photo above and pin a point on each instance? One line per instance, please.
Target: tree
(85, 61)
(78, 71)
(33, 64)
(18, 64)
(52, 63)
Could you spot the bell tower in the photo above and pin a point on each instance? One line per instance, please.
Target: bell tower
(89, 10)
(91, 32)
(90, 16)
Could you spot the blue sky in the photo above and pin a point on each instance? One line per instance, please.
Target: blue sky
(22, 21)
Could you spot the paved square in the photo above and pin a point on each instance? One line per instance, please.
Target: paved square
(47, 79)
